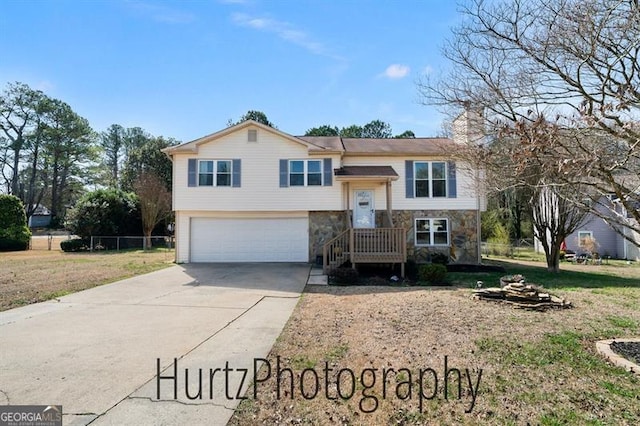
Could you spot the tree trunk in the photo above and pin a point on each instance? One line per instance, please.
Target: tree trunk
(518, 219)
(17, 147)
(553, 259)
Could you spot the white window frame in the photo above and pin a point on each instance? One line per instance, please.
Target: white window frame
(582, 235)
(430, 179)
(431, 232)
(215, 173)
(305, 172)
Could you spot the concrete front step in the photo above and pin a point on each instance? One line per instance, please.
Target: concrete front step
(317, 277)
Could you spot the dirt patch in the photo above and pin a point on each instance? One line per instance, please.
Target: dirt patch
(537, 367)
(36, 275)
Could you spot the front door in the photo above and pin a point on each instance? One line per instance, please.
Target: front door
(364, 212)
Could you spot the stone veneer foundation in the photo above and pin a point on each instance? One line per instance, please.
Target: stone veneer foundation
(323, 226)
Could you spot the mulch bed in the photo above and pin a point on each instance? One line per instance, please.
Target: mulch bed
(464, 267)
(629, 350)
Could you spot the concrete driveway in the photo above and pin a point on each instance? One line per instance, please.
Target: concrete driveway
(97, 352)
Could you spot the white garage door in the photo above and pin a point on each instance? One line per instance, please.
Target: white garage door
(249, 240)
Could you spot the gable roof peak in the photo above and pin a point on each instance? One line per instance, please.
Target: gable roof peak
(192, 146)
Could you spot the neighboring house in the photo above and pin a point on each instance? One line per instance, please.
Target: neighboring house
(597, 229)
(252, 193)
(629, 250)
(41, 217)
(609, 242)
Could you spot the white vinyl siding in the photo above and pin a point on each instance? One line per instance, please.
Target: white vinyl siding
(260, 174)
(466, 184)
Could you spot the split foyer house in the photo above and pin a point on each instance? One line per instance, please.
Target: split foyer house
(252, 193)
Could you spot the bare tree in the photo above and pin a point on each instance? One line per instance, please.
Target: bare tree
(554, 218)
(520, 159)
(573, 65)
(18, 117)
(155, 202)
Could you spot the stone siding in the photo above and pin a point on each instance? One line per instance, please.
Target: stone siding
(462, 234)
(323, 226)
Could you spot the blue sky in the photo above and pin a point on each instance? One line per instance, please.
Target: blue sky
(181, 69)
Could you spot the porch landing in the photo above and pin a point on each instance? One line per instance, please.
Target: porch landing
(317, 276)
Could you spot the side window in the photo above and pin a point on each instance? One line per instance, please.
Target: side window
(584, 238)
(223, 173)
(296, 173)
(423, 232)
(422, 179)
(214, 173)
(438, 179)
(430, 179)
(205, 173)
(432, 232)
(440, 232)
(305, 173)
(314, 173)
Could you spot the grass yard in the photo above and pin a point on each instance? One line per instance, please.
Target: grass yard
(537, 367)
(36, 275)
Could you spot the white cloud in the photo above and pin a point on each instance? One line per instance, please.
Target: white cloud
(396, 71)
(285, 31)
(163, 13)
(44, 85)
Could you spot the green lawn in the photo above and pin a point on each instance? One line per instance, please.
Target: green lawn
(615, 274)
(540, 368)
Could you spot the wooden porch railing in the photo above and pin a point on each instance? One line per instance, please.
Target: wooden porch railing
(366, 245)
(335, 252)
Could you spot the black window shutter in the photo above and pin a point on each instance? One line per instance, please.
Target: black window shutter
(191, 179)
(284, 173)
(408, 173)
(236, 168)
(451, 180)
(328, 172)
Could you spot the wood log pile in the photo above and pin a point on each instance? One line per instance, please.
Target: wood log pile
(515, 291)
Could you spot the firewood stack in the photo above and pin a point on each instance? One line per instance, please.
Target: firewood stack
(516, 292)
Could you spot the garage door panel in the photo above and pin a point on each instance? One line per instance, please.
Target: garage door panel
(249, 240)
